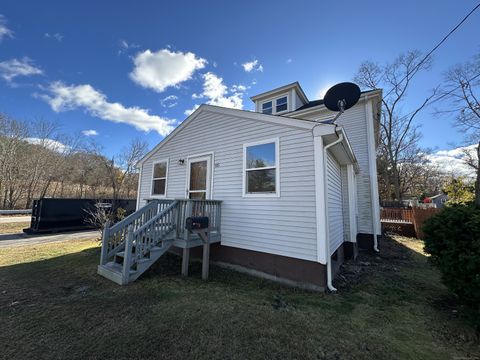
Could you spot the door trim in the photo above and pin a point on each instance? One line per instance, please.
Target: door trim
(210, 157)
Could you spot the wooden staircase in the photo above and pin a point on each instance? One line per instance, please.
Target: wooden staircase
(134, 244)
(131, 246)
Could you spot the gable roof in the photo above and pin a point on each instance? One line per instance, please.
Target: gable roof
(274, 119)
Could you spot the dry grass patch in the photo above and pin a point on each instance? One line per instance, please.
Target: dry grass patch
(13, 228)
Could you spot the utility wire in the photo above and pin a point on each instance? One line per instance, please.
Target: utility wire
(436, 47)
(435, 99)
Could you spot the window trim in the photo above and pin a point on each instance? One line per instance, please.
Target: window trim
(274, 104)
(276, 194)
(263, 103)
(166, 161)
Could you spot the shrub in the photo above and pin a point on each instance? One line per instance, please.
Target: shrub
(452, 238)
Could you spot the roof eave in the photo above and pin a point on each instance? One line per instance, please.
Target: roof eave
(295, 85)
(283, 120)
(363, 97)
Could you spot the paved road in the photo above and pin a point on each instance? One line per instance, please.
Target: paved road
(24, 239)
(14, 219)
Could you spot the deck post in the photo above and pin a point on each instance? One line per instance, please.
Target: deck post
(105, 238)
(206, 255)
(219, 219)
(127, 259)
(185, 261)
(189, 211)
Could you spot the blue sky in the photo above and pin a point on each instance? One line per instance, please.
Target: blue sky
(132, 69)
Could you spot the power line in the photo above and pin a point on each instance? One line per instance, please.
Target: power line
(435, 99)
(436, 47)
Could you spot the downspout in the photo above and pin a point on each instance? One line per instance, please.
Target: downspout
(372, 172)
(327, 242)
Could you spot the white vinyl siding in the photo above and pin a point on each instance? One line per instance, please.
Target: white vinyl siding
(335, 204)
(355, 124)
(345, 202)
(284, 225)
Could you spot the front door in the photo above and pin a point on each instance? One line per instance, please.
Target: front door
(199, 177)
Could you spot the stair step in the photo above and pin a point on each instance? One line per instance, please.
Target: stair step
(113, 272)
(116, 267)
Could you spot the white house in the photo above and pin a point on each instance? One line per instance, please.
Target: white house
(288, 181)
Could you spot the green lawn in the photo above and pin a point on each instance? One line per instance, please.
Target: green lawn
(389, 306)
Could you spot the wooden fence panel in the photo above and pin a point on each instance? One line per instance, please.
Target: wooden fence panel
(391, 217)
(420, 216)
(396, 215)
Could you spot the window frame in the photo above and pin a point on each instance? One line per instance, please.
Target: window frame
(273, 100)
(265, 102)
(275, 194)
(276, 105)
(153, 178)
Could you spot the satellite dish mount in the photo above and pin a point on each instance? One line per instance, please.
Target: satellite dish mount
(341, 97)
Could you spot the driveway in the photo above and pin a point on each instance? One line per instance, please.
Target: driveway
(24, 239)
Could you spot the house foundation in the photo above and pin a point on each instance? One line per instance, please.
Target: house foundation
(365, 241)
(282, 269)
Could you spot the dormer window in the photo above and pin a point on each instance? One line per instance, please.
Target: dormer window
(275, 106)
(281, 104)
(267, 107)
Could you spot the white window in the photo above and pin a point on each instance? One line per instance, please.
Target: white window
(267, 107)
(282, 104)
(159, 178)
(261, 169)
(275, 106)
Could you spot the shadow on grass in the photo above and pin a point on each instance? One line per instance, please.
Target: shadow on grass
(59, 307)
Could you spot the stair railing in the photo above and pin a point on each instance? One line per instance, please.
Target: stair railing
(154, 231)
(114, 237)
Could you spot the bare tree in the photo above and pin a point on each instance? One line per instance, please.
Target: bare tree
(399, 134)
(37, 160)
(462, 88)
(13, 134)
(123, 166)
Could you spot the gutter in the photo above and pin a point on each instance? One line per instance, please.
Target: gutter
(327, 242)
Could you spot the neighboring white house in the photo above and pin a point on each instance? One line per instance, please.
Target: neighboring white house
(289, 184)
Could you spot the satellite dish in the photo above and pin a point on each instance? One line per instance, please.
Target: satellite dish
(342, 96)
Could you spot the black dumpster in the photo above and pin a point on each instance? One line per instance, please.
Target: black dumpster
(54, 215)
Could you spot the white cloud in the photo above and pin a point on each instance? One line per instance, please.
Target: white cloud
(191, 111)
(164, 68)
(10, 69)
(49, 144)
(217, 93)
(62, 97)
(90, 132)
(56, 36)
(238, 88)
(125, 45)
(252, 66)
(4, 30)
(452, 161)
(170, 101)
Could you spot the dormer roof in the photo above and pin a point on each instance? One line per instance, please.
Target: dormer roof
(295, 85)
